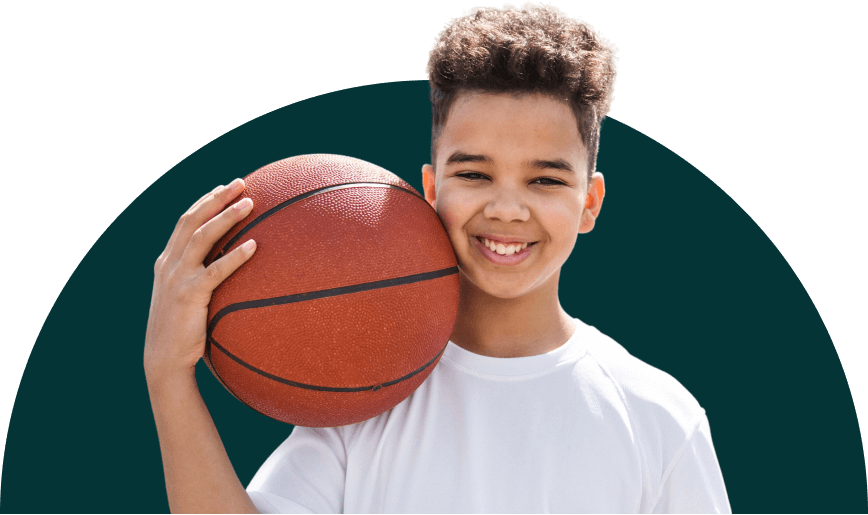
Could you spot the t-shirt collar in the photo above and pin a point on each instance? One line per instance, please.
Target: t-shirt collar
(571, 350)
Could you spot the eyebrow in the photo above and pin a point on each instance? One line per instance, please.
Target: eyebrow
(539, 164)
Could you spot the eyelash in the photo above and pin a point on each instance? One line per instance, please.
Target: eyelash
(466, 175)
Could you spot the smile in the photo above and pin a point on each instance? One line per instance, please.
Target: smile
(503, 248)
(503, 253)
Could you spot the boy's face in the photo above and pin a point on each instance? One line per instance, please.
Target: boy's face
(512, 169)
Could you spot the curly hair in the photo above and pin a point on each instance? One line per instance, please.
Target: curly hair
(532, 50)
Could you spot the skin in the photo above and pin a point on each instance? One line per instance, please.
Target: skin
(511, 188)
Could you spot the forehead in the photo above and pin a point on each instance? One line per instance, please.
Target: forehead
(530, 125)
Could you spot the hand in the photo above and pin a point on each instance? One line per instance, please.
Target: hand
(175, 338)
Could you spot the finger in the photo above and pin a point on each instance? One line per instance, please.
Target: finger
(181, 220)
(205, 196)
(204, 238)
(219, 270)
(201, 213)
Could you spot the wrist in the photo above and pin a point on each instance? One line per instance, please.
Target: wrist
(169, 375)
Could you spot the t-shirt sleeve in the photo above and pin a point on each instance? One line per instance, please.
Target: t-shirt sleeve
(693, 482)
(305, 474)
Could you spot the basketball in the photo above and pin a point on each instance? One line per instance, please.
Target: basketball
(348, 302)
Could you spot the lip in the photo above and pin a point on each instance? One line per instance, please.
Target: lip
(505, 239)
(496, 258)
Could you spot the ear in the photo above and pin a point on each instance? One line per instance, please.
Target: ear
(428, 184)
(593, 203)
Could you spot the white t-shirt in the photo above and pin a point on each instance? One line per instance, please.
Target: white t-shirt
(584, 428)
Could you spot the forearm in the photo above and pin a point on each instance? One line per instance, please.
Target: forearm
(199, 476)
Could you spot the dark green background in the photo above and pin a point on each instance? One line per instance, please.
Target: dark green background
(691, 286)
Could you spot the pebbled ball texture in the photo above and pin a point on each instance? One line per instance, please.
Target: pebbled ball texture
(286, 357)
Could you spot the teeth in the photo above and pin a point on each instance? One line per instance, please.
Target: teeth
(504, 250)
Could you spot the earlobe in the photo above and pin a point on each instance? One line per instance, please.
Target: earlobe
(428, 184)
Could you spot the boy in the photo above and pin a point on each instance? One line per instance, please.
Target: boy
(529, 410)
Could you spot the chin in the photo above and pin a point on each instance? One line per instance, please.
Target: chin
(499, 289)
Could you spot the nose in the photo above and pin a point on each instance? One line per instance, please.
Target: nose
(507, 206)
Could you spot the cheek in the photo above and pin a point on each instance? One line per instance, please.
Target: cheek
(454, 209)
(561, 217)
(446, 217)
(447, 220)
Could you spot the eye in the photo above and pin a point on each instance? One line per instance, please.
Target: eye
(548, 181)
(472, 176)
(467, 175)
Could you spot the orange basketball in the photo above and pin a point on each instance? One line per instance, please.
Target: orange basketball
(348, 302)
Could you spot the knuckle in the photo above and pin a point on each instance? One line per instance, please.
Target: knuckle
(184, 290)
(189, 218)
(215, 271)
(198, 237)
(173, 282)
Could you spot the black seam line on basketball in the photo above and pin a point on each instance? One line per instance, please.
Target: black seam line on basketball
(323, 388)
(331, 292)
(298, 198)
(220, 378)
(228, 388)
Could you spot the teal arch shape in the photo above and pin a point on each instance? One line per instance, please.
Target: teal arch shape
(709, 300)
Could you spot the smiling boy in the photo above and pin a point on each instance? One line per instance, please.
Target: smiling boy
(530, 410)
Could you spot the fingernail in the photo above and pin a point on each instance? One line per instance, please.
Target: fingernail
(234, 184)
(243, 204)
(248, 245)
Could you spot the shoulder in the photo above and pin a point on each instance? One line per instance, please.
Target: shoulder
(662, 413)
(648, 391)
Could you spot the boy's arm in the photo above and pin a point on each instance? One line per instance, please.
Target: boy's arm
(199, 476)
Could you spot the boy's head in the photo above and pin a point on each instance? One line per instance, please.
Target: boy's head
(517, 97)
(536, 50)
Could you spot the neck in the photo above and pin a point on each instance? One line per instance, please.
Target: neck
(532, 324)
